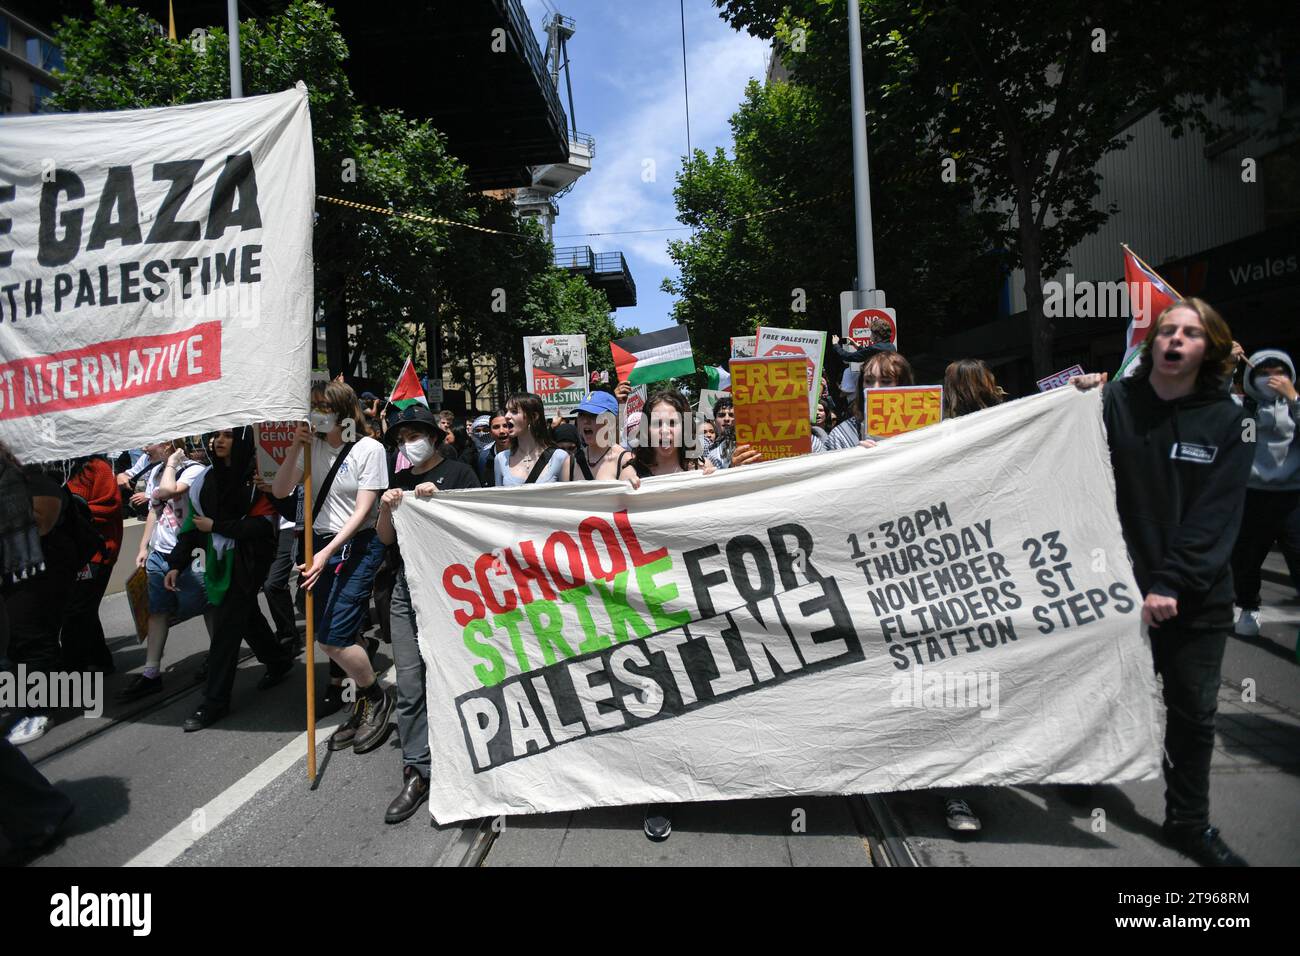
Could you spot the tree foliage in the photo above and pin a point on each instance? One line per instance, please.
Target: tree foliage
(1024, 100)
(384, 271)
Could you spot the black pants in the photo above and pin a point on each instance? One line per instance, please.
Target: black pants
(35, 611)
(1270, 517)
(1189, 661)
(238, 617)
(82, 634)
(277, 586)
(30, 809)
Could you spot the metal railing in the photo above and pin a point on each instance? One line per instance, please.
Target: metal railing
(523, 29)
(585, 140)
(577, 258)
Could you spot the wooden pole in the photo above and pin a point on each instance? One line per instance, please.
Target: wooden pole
(308, 556)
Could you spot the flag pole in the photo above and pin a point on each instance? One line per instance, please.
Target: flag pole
(1124, 246)
(308, 557)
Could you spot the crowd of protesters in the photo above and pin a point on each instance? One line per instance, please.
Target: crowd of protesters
(61, 530)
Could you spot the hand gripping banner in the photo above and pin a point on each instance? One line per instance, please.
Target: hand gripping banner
(952, 607)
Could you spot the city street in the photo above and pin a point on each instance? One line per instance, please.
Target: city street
(237, 794)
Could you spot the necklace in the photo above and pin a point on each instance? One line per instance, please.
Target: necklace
(596, 463)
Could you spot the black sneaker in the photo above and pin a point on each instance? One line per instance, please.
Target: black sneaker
(415, 790)
(1202, 844)
(658, 825)
(374, 721)
(275, 673)
(205, 716)
(140, 686)
(346, 734)
(332, 702)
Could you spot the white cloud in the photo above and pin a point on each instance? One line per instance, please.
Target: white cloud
(613, 196)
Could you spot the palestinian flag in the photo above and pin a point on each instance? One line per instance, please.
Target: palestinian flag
(407, 391)
(716, 378)
(1148, 295)
(653, 356)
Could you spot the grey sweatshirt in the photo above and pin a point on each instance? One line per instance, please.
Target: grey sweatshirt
(1277, 450)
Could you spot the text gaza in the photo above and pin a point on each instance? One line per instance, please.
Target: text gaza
(117, 211)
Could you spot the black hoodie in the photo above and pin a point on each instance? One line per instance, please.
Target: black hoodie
(1180, 481)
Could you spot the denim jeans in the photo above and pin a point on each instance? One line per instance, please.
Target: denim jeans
(1189, 662)
(342, 592)
(412, 712)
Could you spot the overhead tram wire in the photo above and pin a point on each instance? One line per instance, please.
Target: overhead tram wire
(686, 88)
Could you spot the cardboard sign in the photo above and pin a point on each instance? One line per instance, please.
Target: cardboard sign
(636, 399)
(771, 396)
(274, 439)
(904, 408)
(742, 346)
(810, 344)
(1057, 379)
(556, 366)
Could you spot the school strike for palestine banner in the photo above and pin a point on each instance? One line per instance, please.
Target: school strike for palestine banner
(954, 606)
(155, 272)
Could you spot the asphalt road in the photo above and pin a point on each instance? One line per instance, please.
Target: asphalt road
(237, 793)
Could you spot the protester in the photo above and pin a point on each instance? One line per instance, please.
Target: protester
(417, 431)
(723, 445)
(499, 429)
(34, 601)
(31, 811)
(968, 386)
(234, 525)
(566, 438)
(1272, 510)
(600, 457)
(82, 634)
(167, 490)
(707, 433)
(347, 479)
(668, 450)
(282, 571)
(533, 457)
(1181, 466)
(881, 369)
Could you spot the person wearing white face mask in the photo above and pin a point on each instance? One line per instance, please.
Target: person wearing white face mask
(418, 436)
(349, 473)
(1272, 512)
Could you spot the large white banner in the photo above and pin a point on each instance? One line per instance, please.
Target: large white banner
(155, 272)
(954, 606)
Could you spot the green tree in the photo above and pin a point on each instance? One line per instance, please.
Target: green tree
(383, 275)
(1027, 100)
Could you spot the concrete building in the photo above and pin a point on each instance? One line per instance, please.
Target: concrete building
(28, 58)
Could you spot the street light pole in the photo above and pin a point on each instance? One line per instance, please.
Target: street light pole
(236, 71)
(866, 278)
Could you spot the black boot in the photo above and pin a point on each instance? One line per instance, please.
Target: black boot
(415, 790)
(1202, 844)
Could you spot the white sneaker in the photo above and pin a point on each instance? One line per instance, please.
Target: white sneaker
(1248, 624)
(27, 730)
(960, 816)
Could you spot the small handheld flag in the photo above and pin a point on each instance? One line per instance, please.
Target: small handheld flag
(407, 391)
(653, 356)
(717, 378)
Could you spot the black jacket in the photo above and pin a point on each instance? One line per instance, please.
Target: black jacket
(1180, 483)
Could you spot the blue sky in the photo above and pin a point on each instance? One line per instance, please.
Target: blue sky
(627, 90)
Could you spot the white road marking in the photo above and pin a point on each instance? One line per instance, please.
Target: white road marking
(168, 848)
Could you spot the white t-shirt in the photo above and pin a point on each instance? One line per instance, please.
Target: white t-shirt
(171, 514)
(366, 468)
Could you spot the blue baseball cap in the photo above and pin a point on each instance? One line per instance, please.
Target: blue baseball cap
(598, 403)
